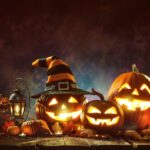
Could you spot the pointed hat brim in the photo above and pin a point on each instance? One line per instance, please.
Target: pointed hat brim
(63, 92)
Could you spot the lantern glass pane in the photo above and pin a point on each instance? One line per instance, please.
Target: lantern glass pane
(22, 109)
(11, 109)
(17, 108)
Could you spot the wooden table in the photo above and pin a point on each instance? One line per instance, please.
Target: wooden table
(70, 143)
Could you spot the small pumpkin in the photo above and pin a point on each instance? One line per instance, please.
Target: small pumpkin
(35, 127)
(13, 130)
(7, 124)
(59, 108)
(132, 91)
(103, 116)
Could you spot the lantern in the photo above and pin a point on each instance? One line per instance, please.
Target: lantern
(17, 104)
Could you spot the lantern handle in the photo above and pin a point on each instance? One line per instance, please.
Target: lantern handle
(98, 94)
(17, 79)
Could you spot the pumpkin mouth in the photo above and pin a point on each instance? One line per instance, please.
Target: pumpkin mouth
(64, 116)
(134, 104)
(103, 122)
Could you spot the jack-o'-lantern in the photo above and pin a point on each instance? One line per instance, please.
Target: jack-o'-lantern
(103, 116)
(132, 91)
(59, 108)
(62, 100)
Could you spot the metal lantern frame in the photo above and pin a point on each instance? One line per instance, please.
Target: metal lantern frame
(18, 102)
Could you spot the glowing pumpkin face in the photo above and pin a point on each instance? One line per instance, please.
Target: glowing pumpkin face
(132, 91)
(60, 108)
(102, 116)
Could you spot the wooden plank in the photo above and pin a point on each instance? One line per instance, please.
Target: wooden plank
(102, 144)
(17, 141)
(139, 144)
(62, 143)
(75, 141)
(45, 142)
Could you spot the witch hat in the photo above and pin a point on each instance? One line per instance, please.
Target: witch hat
(60, 77)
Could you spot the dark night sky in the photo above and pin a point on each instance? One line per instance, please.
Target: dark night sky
(99, 39)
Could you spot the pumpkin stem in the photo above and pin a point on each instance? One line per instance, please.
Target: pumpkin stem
(134, 68)
(98, 94)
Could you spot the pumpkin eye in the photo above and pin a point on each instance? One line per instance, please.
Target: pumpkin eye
(72, 100)
(53, 102)
(93, 110)
(111, 110)
(125, 86)
(145, 87)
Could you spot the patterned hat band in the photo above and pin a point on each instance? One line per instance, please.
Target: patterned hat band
(61, 86)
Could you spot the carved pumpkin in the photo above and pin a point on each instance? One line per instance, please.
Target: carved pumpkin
(103, 116)
(61, 108)
(132, 91)
(62, 100)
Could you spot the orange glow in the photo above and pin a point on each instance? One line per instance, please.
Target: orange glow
(53, 102)
(64, 116)
(93, 109)
(72, 100)
(135, 92)
(125, 86)
(111, 110)
(107, 122)
(145, 87)
(134, 104)
(63, 106)
(17, 109)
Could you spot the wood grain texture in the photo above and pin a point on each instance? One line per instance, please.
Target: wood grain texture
(70, 143)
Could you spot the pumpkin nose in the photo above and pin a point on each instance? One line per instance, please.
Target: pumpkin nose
(135, 92)
(63, 106)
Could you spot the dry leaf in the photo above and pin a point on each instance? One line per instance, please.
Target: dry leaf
(88, 133)
(69, 127)
(57, 128)
(133, 134)
(145, 132)
(146, 137)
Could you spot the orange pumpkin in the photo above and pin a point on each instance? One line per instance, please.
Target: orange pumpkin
(59, 108)
(13, 130)
(103, 116)
(132, 91)
(35, 127)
